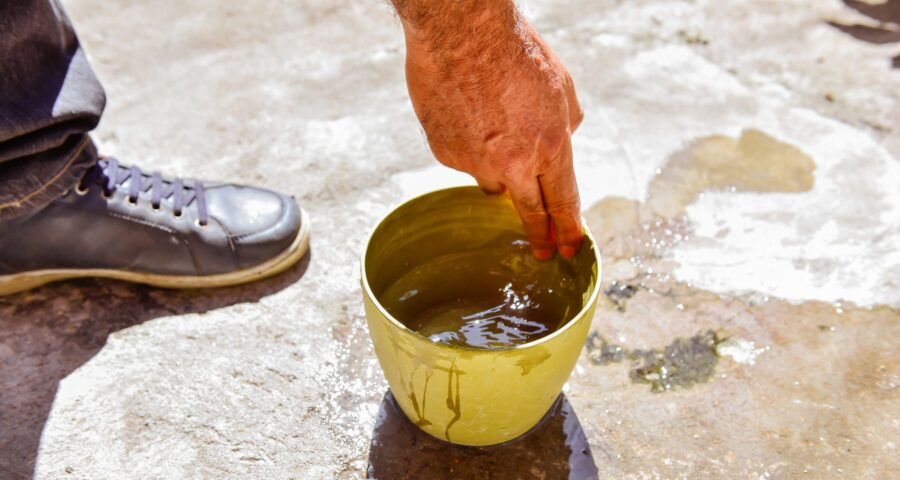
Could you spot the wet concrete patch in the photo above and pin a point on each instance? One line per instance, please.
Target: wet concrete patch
(601, 352)
(681, 364)
(620, 293)
(788, 389)
(754, 162)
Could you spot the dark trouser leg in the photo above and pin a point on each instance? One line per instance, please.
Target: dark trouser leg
(49, 100)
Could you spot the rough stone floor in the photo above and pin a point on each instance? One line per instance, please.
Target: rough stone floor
(739, 161)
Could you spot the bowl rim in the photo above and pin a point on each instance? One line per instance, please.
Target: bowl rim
(374, 299)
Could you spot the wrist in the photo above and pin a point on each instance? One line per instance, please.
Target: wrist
(462, 30)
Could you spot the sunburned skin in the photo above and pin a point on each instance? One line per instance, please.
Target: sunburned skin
(497, 103)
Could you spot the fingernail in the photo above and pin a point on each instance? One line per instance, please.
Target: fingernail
(568, 251)
(543, 253)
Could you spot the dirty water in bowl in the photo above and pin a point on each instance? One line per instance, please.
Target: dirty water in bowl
(497, 296)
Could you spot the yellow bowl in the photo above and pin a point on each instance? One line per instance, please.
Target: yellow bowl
(465, 395)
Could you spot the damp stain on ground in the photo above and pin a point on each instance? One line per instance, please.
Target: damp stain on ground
(682, 363)
(635, 237)
(754, 162)
(814, 381)
(619, 293)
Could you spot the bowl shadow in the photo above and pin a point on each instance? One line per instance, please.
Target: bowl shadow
(556, 448)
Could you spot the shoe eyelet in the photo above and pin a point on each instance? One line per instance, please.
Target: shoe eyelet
(81, 191)
(106, 195)
(200, 225)
(155, 208)
(131, 201)
(177, 214)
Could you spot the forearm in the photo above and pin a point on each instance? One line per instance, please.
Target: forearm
(461, 31)
(452, 19)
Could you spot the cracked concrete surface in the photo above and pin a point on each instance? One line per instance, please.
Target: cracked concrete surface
(798, 267)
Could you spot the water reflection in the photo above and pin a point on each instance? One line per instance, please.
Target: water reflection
(556, 449)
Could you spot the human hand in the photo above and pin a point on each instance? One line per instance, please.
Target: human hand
(496, 102)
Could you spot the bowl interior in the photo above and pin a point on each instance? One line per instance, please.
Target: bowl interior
(449, 224)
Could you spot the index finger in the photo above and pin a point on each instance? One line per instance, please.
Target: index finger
(562, 202)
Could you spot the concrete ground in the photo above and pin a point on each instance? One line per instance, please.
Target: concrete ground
(739, 161)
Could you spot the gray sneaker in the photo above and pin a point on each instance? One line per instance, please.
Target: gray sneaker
(126, 224)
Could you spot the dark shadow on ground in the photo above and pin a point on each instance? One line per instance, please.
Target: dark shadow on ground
(887, 15)
(47, 333)
(556, 448)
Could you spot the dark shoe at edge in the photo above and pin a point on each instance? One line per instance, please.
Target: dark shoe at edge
(126, 224)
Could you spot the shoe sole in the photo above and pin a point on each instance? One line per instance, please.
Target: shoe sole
(20, 282)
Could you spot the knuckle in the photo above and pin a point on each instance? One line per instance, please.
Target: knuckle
(511, 168)
(530, 205)
(557, 91)
(534, 216)
(579, 115)
(564, 208)
(551, 140)
(553, 136)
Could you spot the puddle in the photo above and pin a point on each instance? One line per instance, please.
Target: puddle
(634, 235)
(556, 448)
(755, 162)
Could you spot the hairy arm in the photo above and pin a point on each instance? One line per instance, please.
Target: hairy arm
(497, 103)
